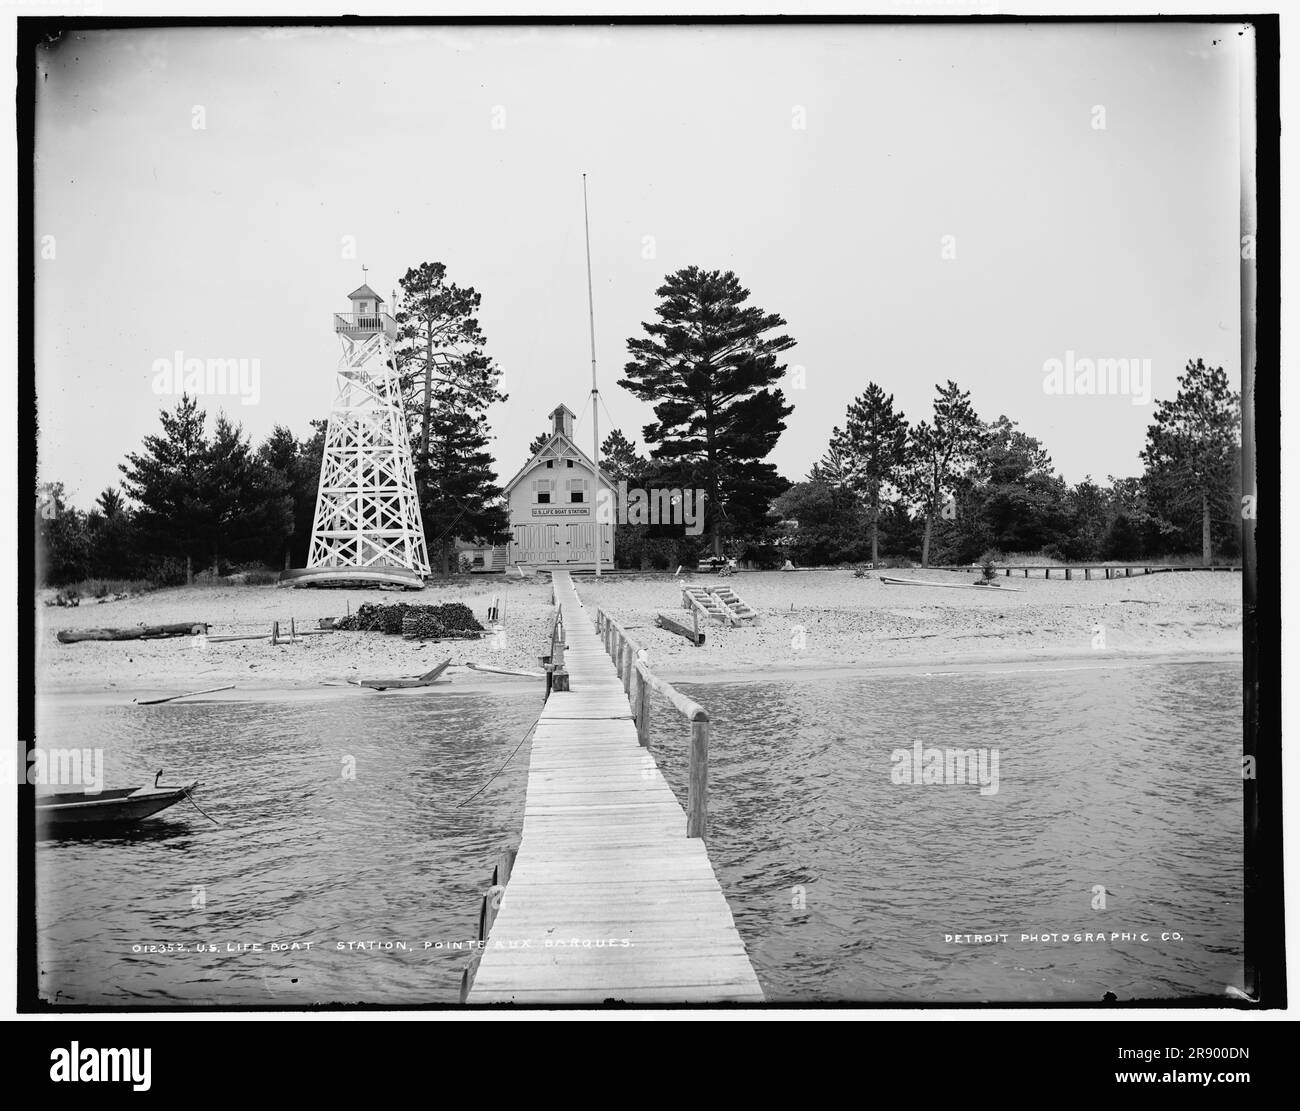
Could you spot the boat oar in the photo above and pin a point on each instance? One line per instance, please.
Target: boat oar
(187, 694)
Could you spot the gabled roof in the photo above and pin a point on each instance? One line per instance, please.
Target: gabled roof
(365, 293)
(541, 453)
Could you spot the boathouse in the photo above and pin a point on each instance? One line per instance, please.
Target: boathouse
(552, 503)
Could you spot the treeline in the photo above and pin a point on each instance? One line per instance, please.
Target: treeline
(190, 500)
(950, 488)
(955, 489)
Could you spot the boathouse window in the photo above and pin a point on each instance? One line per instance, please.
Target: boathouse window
(542, 488)
(550, 463)
(568, 462)
(577, 490)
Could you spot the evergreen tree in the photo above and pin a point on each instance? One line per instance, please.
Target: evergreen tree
(449, 383)
(250, 510)
(1016, 501)
(461, 497)
(1192, 455)
(620, 460)
(63, 544)
(709, 368)
(635, 545)
(825, 521)
(166, 481)
(874, 447)
(111, 535)
(942, 456)
(440, 343)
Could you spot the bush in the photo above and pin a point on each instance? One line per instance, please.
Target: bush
(261, 577)
(168, 571)
(989, 564)
(766, 557)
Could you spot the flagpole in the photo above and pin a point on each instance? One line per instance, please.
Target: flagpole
(595, 392)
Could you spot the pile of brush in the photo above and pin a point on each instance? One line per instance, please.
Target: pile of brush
(449, 621)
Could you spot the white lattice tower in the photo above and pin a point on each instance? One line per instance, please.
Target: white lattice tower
(367, 508)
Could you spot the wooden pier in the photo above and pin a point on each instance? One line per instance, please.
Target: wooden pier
(1106, 570)
(609, 899)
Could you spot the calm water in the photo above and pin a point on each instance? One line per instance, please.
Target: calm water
(1128, 778)
(843, 884)
(303, 855)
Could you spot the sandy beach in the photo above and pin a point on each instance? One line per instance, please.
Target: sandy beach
(820, 620)
(332, 658)
(807, 621)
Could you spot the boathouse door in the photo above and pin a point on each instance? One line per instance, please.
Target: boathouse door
(536, 544)
(578, 548)
(581, 546)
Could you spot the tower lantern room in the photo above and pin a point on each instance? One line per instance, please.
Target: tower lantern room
(367, 315)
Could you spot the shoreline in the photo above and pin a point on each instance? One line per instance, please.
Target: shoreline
(825, 625)
(261, 690)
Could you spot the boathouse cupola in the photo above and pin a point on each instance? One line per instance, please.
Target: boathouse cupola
(562, 421)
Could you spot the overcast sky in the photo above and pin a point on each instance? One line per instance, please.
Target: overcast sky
(467, 147)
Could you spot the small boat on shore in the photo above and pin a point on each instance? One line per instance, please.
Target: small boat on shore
(78, 811)
(889, 581)
(428, 679)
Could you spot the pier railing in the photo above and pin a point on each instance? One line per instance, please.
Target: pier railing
(557, 677)
(638, 682)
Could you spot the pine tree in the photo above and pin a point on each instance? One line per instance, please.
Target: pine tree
(448, 383)
(250, 509)
(709, 368)
(873, 447)
(941, 456)
(461, 498)
(620, 460)
(165, 480)
(1193, 452)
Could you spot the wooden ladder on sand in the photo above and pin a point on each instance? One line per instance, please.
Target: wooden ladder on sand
(702, 601)
(734, 604)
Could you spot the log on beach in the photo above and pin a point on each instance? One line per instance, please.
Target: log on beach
(138, 632)
(666, 622)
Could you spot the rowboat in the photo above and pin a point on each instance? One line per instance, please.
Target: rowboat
(428, 679)
(888, 581)
(74, 811)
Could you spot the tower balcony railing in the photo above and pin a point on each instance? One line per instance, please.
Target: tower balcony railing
(360, 323)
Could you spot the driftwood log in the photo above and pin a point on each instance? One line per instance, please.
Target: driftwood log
(666, 622)
(138, 632)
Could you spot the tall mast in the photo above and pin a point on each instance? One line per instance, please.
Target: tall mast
(595, 392)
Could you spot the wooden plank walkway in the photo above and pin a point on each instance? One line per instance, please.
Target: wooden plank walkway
(608, 899)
